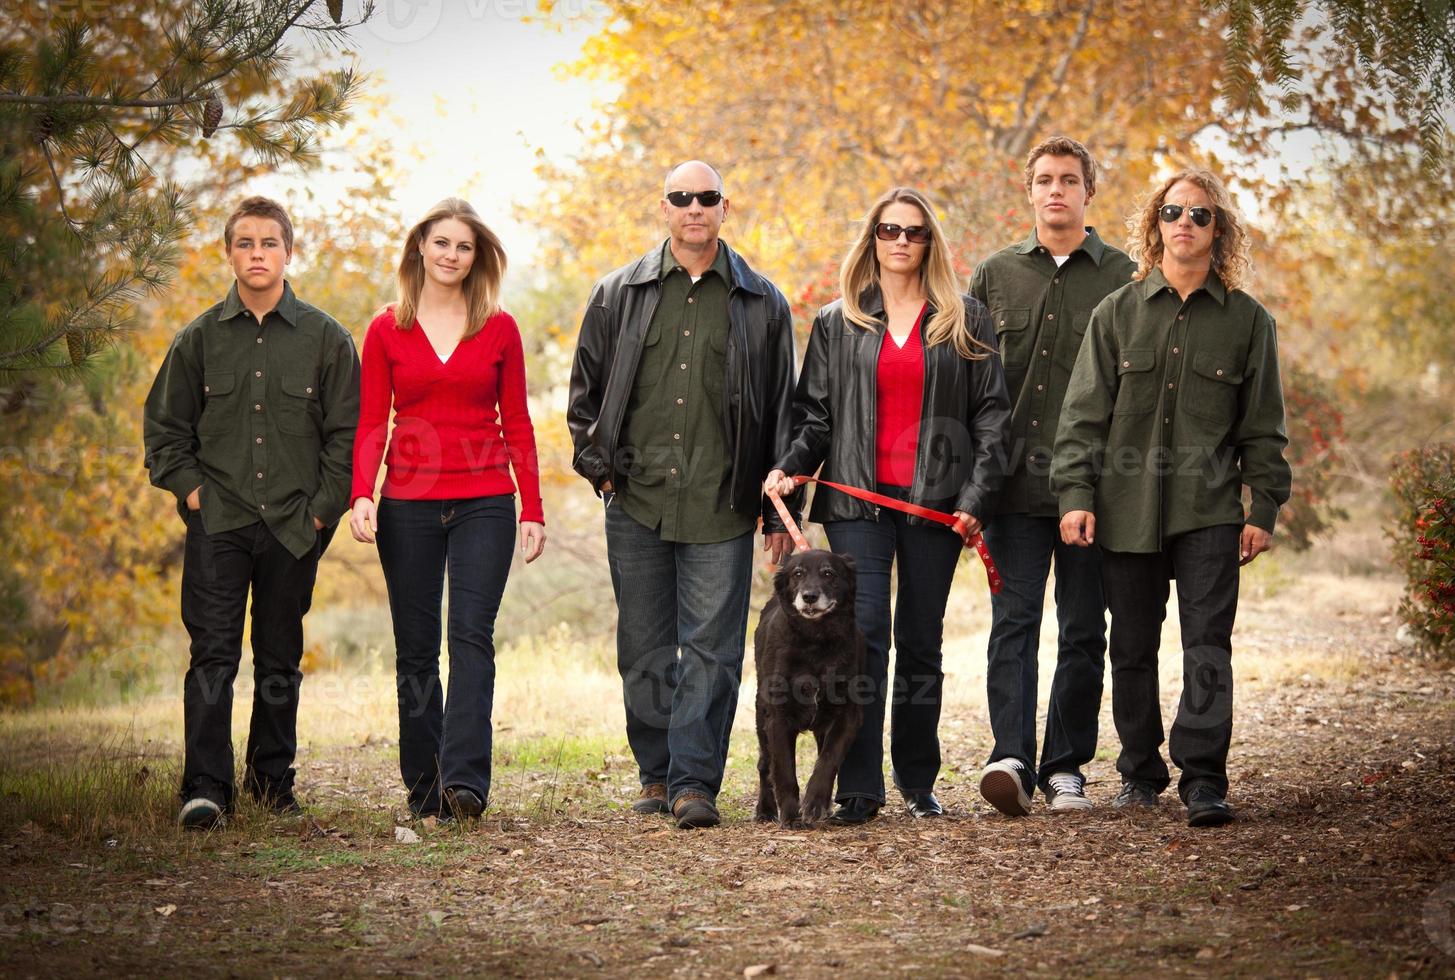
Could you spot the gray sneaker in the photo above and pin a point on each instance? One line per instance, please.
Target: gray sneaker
(1066, 791)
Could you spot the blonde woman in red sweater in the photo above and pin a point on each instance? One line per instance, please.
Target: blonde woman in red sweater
(901, 391)
(449, 360)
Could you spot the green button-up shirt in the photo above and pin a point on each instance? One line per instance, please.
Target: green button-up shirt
(674, 429)
(260, 415)
(1174, 407)
(1040, 312)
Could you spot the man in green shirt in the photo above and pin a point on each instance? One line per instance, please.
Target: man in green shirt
(1175, 406)
(681, 393)
(250, 425)
(1041, 293)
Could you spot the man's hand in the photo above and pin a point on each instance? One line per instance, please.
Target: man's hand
(532, 540)
(779, 545)
(1252, 543)
(1078, 527)
(971, 522)
(606, 487)
(194, 499)
(318, 525)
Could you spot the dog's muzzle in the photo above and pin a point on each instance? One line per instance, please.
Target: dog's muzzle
(817, 609)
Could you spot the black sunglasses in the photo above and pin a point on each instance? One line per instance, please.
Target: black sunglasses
(681, 199)
(1202, 217)
(917, 234)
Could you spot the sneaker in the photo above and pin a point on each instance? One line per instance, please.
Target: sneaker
(1206, 807)
(1066, 791)
(652, 799)
(1134, 794)
(463, 803)
(695, 811)
(200, 813)
(1003, 785)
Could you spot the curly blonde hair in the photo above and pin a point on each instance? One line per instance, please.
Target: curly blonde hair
(1230, 258)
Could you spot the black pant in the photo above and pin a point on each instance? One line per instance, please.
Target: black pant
(444, 744)
(1205, 564)
(217, 571)
(926, 555)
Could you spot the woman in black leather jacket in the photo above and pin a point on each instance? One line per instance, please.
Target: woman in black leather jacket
(901, 392)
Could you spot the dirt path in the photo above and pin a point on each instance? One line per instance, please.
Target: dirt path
(1342, 862)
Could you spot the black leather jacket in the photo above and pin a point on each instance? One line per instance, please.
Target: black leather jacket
(757, 387)
(964, 419)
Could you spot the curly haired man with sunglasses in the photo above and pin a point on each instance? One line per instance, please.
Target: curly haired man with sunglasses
(681, 394)
(1175, 407)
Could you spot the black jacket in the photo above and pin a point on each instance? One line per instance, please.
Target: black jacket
(757, 387)
(964, 419)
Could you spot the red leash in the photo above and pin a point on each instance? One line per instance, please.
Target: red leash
(800, 543)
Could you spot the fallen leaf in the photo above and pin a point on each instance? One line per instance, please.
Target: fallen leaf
(759, 969)
(404, 835)
(975, 950)
(1206, 953)
(165, 910)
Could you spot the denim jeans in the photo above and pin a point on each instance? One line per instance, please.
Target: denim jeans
(682, 621)
(1022, 547)
(927, 555)
(1205, 564)
(217, 572)
(445, 743)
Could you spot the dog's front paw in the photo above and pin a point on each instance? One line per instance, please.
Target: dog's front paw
(815, 809)
(788, 814)
(765, 813)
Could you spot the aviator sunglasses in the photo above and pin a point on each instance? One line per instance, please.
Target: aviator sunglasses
(1202, 217)
(917, 234)
(681, 199)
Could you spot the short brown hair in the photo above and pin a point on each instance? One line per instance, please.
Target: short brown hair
(1063, 146)
(259, 207)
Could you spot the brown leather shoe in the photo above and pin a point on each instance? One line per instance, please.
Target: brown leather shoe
(652, 799)
(694, 811)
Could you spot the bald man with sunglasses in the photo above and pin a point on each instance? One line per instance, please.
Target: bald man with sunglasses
(681, 393)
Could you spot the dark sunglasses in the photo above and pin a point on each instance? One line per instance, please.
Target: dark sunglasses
(681, 199)
(917, 234)
(1202, 217)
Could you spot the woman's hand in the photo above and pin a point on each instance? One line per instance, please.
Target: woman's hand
(778, 482)
(364, 520)
(532, 540)
(971, 522)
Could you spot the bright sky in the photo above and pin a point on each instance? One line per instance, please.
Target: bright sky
(470, 94)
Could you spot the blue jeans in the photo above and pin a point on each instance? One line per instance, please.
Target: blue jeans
(445, 742)
(1022, 548)
(673, 597)
(927, 555)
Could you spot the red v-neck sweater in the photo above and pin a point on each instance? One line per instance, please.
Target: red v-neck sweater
(460, 426)
(899, 397)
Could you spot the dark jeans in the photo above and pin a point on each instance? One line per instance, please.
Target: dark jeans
(1023, 547)
(1205, 564)
(673, 597)
(445, 742)
(926, 556)
(217, 572)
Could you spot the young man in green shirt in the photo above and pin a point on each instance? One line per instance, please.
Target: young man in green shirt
(1175, 406)
(1041, 293)
(250, 424)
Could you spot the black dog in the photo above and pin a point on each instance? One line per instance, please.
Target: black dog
(810, 658)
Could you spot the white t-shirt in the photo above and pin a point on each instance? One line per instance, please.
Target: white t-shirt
(1060, 260)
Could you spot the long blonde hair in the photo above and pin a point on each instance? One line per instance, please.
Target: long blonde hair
(1230, 247)
(861, 270)
(482, 282)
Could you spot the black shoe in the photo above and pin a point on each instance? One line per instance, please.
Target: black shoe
(923, 805)
(854, 811)
(1135, 794)
(695, 812)
(463, 803)
(1207, 808)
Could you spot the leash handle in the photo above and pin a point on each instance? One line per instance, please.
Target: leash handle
(992, 574)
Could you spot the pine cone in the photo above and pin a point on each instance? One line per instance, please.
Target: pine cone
(44, 127)
(211, 115)
(76, 346)
(336, 10)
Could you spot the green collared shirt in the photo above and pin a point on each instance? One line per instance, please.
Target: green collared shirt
(674, 429)
(1040, 312)
(1173, 408)
(261, 416)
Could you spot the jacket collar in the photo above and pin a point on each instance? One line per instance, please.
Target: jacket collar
(871, 301)
(649, 269)
(1092, 245)
(1213, 286)
(287, 307)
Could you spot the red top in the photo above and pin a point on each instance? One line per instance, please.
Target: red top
(460, 426)
(899, 394)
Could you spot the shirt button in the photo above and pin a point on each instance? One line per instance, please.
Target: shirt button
(308, 390)
(1170, 386)
(260, 340)
(1002, 323)
(257, 374)
(691, 299)
(206, 389)
(257, 408)
(1181, 317)
(1035, 423)
(676, 435)
(1040, 387)
(1167, 420)
(1220, 372)
(262, 506)
(1126, 364)
(1176, 350)
(674, 471)
(1050, 316)
(683, 366)
(1045, 353)
(687, 333)
(259, 440)
(260, 474)
(679, 401)
(1056, 281)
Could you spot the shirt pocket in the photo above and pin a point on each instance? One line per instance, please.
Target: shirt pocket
(1212, 394)
(219, 401)
(1069, 346)
(1015, 340)
(651, 367)
(299, 412)
(715, 365)
(1136, 382)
